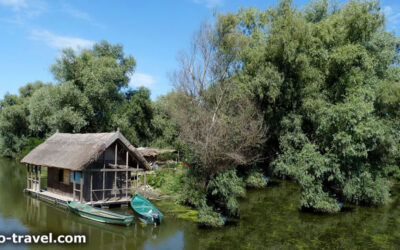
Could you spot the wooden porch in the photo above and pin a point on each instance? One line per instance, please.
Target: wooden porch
(62, 200)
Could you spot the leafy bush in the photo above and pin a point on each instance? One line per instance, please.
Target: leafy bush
(366, 189)
(225, 187)
(193, 193)
(156, 180)
(209, 217)
(169, 181)
(255, 179)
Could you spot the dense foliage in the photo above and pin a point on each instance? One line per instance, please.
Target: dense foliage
(91, 95)
(327, 79)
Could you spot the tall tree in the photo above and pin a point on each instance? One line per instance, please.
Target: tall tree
(217, 121)
(14, 122)
(134, 116)
(321, 77)
(100, 74)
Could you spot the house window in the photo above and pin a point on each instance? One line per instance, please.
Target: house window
(63, 176)
(77, 177)
(66, 176)
(60, 175)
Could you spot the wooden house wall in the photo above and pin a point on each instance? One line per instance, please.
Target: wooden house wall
(107, 157)
(55, 186)
(109, 184)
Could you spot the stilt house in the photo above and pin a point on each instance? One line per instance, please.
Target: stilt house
(91, 168)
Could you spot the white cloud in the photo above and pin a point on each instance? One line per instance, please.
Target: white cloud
(14, 4)
(75, 12)
(60, 42)
(392, 16)
(141, 79)
(210, 3)
(79, 14)
(387, 10)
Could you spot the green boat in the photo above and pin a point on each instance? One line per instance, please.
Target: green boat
(148, 213)
(98, 214)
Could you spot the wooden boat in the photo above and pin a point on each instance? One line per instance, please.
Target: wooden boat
(99, 215)
(148, 213)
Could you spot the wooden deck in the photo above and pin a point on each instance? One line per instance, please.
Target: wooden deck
(60, 199)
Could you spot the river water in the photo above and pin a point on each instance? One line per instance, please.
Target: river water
(269, 219)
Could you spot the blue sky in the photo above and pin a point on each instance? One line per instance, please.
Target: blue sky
(34, 32)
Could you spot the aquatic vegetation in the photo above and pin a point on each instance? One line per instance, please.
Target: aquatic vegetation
(209, 217)
(172, 207)
(255, 179)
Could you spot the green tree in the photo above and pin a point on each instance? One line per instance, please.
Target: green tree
(100, 74)
(60, 107)
(134, 116)
(326, 79)
(14, 122)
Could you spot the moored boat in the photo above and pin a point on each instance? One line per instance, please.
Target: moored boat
(147, 212)
(99, 215)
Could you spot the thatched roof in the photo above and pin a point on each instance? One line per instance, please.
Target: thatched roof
(147, 152)
(76, 151)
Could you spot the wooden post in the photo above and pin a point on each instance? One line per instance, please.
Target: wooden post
(116, 156)
(104, 183)
(40, 177)
(126, 177)
(104, 173)
(81, 192)
(115, 183)
(74, 185)
(35, 178)
(115, 173)
(30, 176)
(27, 176)
(91, 188)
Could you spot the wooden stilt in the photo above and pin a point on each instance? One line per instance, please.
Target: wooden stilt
(91, 188)
(104, 182)
(104, 173)
(116, 156)
(126, 175)
(115, 173)
(27, 176)
(115, 183)
(81, 188)
(39, 178)
(35, 177)
(74, 185)
(31, 177)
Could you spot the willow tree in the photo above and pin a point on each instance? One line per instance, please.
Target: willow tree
(327, 79)
(14, 122)
(100, 74)
(91, 95)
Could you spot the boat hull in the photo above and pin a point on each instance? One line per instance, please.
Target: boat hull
(100, 215)
(146, 211)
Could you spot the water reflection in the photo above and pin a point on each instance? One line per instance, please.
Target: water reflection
(25, 214)
(269, 219)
